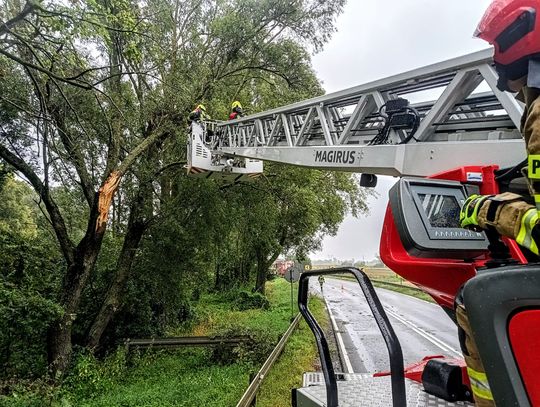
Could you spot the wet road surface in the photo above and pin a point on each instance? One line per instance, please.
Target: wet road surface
(423, 328)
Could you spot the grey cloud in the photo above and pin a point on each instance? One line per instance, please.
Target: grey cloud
(378, 38)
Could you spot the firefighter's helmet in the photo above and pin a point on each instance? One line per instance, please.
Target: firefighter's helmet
(201, 107)
(236, 104)
(513, 28)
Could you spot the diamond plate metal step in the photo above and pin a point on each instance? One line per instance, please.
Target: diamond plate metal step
(359, 390)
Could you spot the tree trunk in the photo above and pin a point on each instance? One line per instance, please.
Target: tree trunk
(218, 261)
(263, 264)
(59, 347)
(217, 283)
(84, 259)
(260, 282)
(113, 299)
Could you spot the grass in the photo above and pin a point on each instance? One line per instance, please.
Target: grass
(298, 357)
(184, 378)
(407, 291)
(217, 312)
(191, 376)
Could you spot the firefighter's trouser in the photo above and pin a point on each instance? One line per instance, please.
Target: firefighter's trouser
(475, 368)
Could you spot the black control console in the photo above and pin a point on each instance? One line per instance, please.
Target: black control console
(426, 214)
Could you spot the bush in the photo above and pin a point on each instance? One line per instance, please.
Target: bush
(90, 376)
(247, 300)
(29, 393)
(25, 316)
(252, 352)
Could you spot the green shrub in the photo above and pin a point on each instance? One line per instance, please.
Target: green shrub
(247, 300)
(253, 352)
(271, 276)
(89, 376)
(25, 316)
(30, 393)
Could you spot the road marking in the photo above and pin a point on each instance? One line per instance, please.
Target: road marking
(339, 340)
(431, 338)
(434, 340)
(424, 302)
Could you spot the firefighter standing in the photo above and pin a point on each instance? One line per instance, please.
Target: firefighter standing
(321, 282)
(199, 114)
(513, 28)
(236, 110)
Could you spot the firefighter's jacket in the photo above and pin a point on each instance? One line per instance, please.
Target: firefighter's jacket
(511, 215)
(197, 115)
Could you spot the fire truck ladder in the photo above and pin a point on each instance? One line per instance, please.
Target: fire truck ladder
(419, 123)
(457, 117)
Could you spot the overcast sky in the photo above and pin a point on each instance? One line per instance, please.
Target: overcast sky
(379, 38)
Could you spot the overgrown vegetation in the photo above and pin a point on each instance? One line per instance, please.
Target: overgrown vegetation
(102, 234)
(191, 376)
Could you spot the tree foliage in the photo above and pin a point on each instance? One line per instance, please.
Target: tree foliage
(102, 234)
(29, 264)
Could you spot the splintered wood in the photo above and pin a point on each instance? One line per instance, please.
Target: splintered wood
(105, 196)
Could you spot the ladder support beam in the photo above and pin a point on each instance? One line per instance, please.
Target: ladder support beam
(286, 129)
(306, 126)
(461, 86)
(509, 102)
(364, 107)
(259, 133)
(275, 131)
(324, 126)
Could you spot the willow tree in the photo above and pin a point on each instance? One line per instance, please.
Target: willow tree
(93, 98)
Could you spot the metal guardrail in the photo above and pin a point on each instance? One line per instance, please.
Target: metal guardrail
(171, 343)
(251, 392)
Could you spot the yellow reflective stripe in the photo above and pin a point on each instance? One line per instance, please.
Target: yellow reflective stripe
(534, 166)
(479, 384)
(524, 237)
(537, 201)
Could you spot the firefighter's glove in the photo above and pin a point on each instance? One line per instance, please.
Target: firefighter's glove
(468, 216)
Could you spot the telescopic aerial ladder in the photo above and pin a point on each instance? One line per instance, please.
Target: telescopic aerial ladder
(457, 116)
(446, 131)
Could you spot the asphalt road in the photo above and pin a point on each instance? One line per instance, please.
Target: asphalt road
(423, 328)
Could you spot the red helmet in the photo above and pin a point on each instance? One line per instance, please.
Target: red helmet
(513, 28)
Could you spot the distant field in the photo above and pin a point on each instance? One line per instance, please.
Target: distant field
(387, 275)
(380, 276)
(379, 273)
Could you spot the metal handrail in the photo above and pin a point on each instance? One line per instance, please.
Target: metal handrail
(249, 395)
(445, 69)
(390, 338)
(176, 342)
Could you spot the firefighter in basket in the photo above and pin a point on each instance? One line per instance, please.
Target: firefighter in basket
(198, 114)
(236, 110)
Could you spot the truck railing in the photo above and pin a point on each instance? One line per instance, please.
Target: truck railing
(390, 338)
